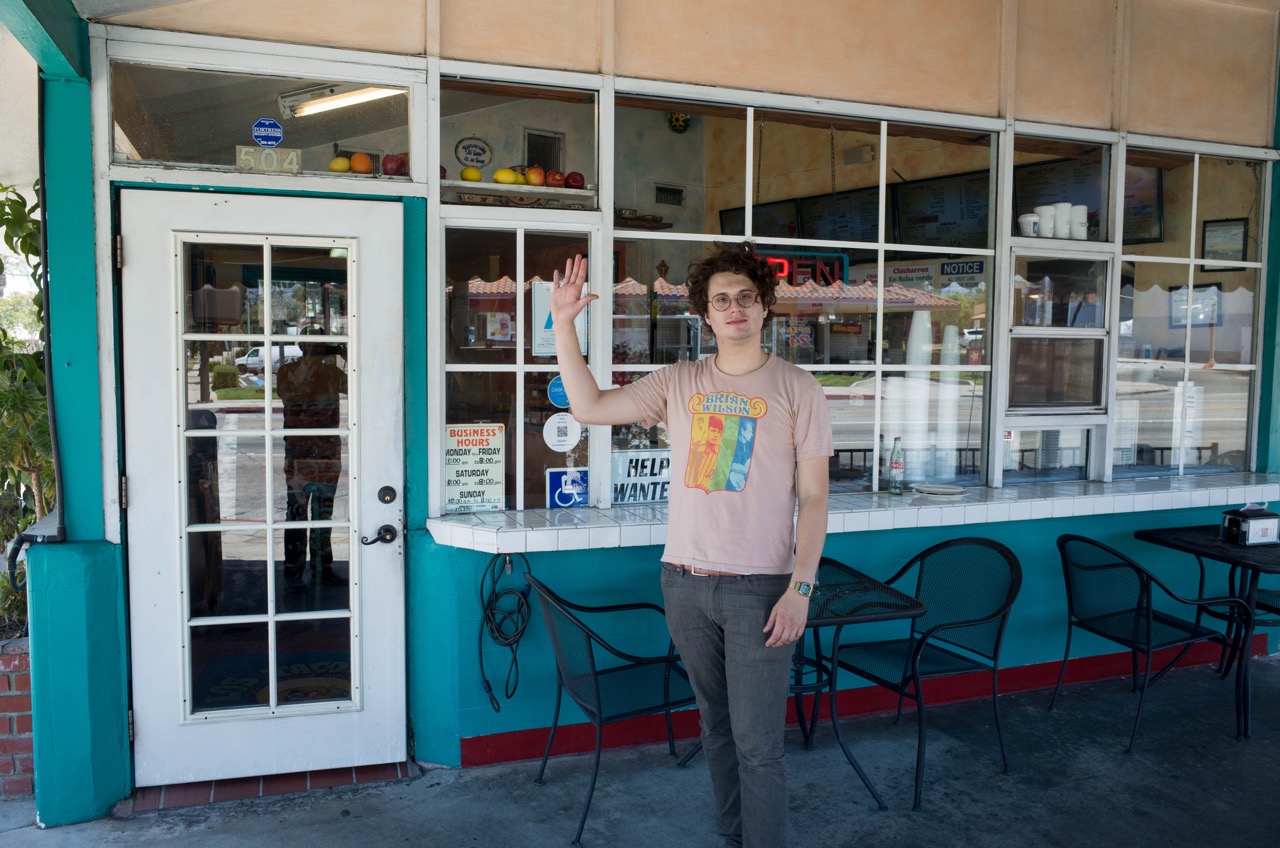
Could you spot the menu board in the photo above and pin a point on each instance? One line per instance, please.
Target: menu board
(944, 211)
(842, 216)
(779, 219)
(1077, 181)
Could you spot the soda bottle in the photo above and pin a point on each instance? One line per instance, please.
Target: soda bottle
(897, 467)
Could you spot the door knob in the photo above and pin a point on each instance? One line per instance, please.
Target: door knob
(386, 534)
(387, 494)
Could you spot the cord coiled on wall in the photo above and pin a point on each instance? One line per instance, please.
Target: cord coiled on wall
(506, 615)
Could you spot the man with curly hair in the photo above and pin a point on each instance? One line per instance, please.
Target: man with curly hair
(750, 441)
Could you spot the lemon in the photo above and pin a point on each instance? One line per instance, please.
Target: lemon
(519, 178)
(340, 164)
(504, 175)
(471, 175)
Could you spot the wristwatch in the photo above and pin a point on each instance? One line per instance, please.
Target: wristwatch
(805, 589)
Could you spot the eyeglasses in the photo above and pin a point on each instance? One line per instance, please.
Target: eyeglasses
(744, 299)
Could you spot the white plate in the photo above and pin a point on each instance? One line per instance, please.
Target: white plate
(939, 489)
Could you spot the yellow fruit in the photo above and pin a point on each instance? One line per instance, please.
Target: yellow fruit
(504, 175)
(340, 164)
(471, 175)
(361, 163)
(519, 178)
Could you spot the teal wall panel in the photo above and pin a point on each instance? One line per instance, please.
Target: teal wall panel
(79, 680)
(52, 32)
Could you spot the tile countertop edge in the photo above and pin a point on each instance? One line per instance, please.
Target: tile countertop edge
(619, 527)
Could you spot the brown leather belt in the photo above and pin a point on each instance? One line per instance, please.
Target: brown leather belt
(703, 572)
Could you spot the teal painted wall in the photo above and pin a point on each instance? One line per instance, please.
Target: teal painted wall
(52, 32)
(79, 686)
(1268, 397)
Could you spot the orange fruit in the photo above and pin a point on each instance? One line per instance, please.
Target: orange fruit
(361, 163)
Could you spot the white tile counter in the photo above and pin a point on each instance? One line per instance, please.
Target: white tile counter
(640, 525)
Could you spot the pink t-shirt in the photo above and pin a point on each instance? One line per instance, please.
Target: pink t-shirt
(735, 442)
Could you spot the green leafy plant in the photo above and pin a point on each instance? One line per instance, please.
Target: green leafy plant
(26, 451)
(225, 377)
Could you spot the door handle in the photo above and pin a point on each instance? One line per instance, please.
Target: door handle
(386, 534)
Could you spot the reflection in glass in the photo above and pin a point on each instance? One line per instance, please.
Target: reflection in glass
(222, 294)
(1157, 202)
(946, 191)
(225, 479)
(684, 171)
(202, 117)
(1221, 316)
(227, 573)
(229, 667)
(480, 296)
(938, 415)
(314, 661)
(540, 455)
(1035, 456)
(1229, 195)
(544, 255)
(1055, 372)
(222, 393)
(312, 569)
(934, 310)
(485, 398)
(1059, 292)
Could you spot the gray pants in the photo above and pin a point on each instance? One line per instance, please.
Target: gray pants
(717, 624)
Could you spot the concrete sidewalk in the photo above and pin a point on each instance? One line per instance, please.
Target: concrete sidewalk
(1189, 783)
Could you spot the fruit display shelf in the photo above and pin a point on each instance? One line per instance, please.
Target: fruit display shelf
(502, 194)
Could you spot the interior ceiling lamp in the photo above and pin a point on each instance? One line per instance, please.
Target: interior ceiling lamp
(322, 98)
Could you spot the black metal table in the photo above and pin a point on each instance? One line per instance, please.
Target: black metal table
(1248, 563)
(845, 596)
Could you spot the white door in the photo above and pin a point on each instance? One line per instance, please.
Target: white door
(263, 440)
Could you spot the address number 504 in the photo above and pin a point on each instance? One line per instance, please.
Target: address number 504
(268, 160)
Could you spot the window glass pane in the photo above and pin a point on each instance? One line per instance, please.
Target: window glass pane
(1228, 209)
(1059, 292)
(653, 321)
(480, 296)
(1150, 399)
(816, 176)
(1148, 328)
(544, 255)
(485, 129)
(555, 451)
(1055, 372)
(486, 403)
(174, 115)
(942, 191)
(1217, 421)
(227, 573)
(227, 663)
(313, 661)
(678, 166)
(1221, 316)
(1035, 456)
(1065, 185)
(225, 479)
(1157, 203)
(934, 309)
(938, 415)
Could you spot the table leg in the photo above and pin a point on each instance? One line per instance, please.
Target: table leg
(1243, 682)
(848, 754)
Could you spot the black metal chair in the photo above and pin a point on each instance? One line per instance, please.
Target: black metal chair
(1110, 595)
(629, 687)
(968, 586)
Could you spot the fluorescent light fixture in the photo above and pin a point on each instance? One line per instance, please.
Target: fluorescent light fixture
(322, 98)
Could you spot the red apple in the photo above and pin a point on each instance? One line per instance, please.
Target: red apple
(574, 179)
(555, 179)
(535, 175)
(392, 165)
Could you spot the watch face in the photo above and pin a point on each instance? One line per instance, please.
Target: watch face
(805, 589)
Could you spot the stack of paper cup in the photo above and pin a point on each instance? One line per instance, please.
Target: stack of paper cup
(1062, 220)
(1029, 224)
(1046, 216)
(1080, 222)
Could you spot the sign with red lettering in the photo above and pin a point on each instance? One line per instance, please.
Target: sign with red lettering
(474, 459)
(798, 268)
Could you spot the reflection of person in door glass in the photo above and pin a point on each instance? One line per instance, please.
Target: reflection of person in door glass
(310, 388)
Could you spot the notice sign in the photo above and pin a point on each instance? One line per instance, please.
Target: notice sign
(473, 467)
(641, 476)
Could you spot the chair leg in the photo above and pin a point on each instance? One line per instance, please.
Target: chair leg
(690, 754)
(995, 707)
(591, 789)
(1062, 671)
(671, 736)
(555, 721)
(898, 718)
(1133, 661)
(920, 742)
(1142, 697)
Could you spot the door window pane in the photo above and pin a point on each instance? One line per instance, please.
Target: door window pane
(227, 572)
(313, 661)
(225, 479)
(1059, 292)
(228, 662)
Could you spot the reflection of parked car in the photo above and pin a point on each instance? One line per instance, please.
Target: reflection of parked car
(971, 334)
(253, 359)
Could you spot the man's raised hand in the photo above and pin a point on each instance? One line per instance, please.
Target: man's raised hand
(567, 297)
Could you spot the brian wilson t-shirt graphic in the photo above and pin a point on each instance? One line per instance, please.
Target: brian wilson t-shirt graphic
(722, 440)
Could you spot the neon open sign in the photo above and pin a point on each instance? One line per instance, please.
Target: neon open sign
(796, 268)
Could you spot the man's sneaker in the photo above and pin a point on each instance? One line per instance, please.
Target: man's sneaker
(329, 577)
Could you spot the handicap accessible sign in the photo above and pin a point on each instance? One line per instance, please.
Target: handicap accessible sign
(566, 487)
(267, 132)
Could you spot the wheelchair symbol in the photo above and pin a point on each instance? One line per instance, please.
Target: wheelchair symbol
(572, 491)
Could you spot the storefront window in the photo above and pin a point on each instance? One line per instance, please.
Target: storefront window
(258, 124)
(938, 416)
(517, 145)
(942, 190)
(1046, 455)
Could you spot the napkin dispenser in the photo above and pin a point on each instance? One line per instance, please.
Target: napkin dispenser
(1252, 524)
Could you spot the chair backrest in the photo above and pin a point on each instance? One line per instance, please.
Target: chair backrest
(967, 580)
(575, 658)
(1101, 580)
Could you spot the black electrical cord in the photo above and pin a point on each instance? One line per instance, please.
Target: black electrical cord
(506, 615)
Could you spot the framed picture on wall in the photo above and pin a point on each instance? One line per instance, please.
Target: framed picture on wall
(1225, 241)
(1205, 309)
